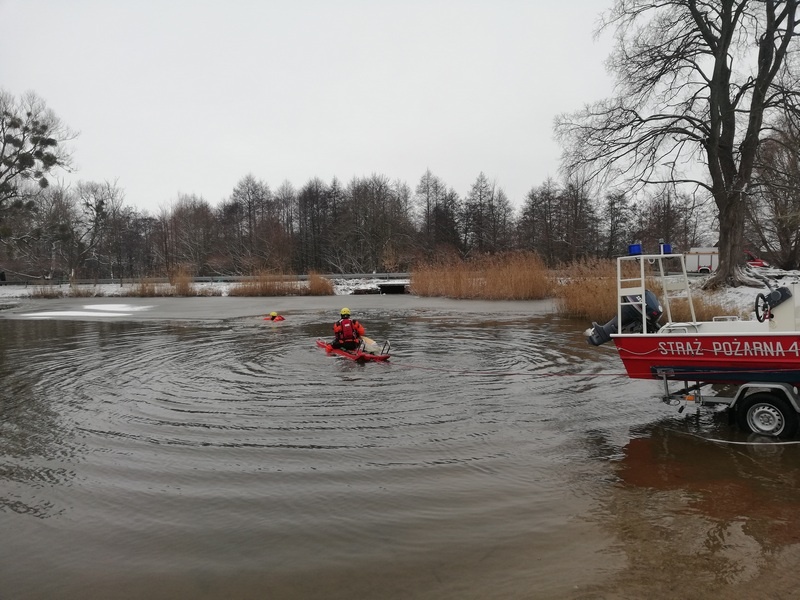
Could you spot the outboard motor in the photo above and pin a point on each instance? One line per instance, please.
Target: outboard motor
(631, 319)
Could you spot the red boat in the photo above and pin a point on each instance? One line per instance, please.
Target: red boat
(761, 356)
(734, 358)
(367, 352)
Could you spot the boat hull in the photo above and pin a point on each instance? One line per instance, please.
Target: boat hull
(357, 356)
(711, 358)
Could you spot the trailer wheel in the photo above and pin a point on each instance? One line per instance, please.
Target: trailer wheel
(767, 414)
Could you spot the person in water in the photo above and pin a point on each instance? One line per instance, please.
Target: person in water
(273, 316)
(347, 332)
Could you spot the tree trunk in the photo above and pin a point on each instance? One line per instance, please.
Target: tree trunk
(731, 253)
(731, 233)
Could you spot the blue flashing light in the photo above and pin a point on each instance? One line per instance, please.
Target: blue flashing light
(634, 249)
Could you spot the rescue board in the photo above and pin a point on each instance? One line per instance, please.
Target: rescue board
(358, 355)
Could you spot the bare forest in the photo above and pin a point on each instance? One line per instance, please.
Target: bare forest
(370, 224)
(86, 230)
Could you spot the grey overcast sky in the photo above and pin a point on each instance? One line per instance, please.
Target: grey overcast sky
(174, 97)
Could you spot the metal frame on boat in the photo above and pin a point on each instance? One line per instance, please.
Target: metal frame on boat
(760, 357)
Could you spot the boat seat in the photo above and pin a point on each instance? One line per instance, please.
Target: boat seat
(678, 328)
(727, 325)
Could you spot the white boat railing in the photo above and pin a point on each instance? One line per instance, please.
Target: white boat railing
(631, 289)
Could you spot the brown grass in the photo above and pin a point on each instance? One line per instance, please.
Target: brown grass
(42, 292)
(147, 288)
(182, 284)
(705, 309)
(270, 284)
(319, 285)
(514, 276)
(79, 291)
(588, 290)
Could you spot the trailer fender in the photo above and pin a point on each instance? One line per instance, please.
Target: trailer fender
(785, 389)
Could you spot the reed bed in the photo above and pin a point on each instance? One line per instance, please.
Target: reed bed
(182, 284)
(587, 289)
(705, 308)
(147, 288)
(271, 284)
(78, 291)
(319, 285)
(518, 276)
(41, 292)
(61, 291)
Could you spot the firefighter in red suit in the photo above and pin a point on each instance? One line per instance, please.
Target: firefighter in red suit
(347, 332)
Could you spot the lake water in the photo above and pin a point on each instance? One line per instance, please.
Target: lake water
(186, 448)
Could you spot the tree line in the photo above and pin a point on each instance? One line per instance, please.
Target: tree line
(370, 224)
(703, 136)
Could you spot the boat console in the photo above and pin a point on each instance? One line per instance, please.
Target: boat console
(779, 308)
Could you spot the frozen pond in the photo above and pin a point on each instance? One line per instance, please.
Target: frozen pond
(186, 448)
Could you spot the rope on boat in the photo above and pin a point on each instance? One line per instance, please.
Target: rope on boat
(767, 441)
(621, 350)
(502, 373)
(736, 443)
(675, 375)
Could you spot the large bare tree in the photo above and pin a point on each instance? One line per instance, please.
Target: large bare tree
(698, 83)
(774, 207)
(31, 146)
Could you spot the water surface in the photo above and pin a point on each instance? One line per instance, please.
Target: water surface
(189, 449)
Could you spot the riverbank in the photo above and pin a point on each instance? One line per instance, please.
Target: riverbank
(341, 287)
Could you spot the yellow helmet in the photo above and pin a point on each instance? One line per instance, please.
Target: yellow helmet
(345, 312)
(273, 314)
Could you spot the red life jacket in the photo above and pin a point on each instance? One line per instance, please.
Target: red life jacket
(348, 332)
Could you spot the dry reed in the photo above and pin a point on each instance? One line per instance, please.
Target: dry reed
(42, 292)
(270, 284)
(147, 288)
(516, 276)
(319, 285)
(588, 290)
(705, 309)
(182, 284)
(78, 291)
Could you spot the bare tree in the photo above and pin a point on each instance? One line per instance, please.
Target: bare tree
(437, 210)
(773, 209)
(314, 225)
(64, 235)
(87, 223)
(478, 215)
(580, 234)
(31, 148)
(696, 78)
(617, 212)
(193, 230)
(35, 248)
(30, 138)
(255, 201)
(666, 215)
(541, 224)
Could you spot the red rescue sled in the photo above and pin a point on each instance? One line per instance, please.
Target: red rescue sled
(358, 355)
